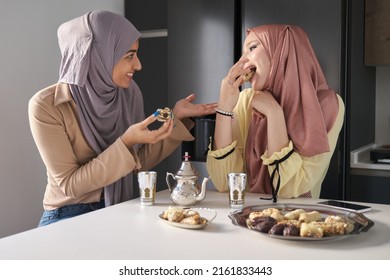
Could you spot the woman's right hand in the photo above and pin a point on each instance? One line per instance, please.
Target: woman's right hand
(228, 98)
(230, 86)
(139, 133)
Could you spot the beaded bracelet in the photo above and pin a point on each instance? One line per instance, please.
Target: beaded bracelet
(224, 113)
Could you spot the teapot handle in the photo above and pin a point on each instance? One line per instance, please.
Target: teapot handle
(167, 180)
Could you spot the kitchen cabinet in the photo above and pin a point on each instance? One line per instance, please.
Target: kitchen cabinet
(377, 32)
(193, 58)
(201, 48)
(364, 180)
(152, 79)
(370, 189)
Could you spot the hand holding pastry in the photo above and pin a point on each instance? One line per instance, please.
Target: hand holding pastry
(163, 114)
(139, 133)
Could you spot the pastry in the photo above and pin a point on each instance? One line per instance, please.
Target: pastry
(293, 215)
(291, 230)
(336, 228)
(311, 230)
(277, 229)
(308, 217)
(163, 114)
(269, 212)
(183, 216)
(247, 76)
(298, 222)
(174, 214)
(192, 220)
(264, 226)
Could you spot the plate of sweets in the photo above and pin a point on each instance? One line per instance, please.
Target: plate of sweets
(188, 218)
(301, 222)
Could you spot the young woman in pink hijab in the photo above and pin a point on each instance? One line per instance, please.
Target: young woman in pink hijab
(283, 131)
(90, 127)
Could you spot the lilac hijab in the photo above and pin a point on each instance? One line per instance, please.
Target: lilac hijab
(91, 45)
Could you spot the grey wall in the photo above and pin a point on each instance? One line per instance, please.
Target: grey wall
(29, 61)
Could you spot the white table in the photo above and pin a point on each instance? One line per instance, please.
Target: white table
(129, 231)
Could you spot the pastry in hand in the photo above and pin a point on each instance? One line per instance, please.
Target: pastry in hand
(163, 114)
(247, 76)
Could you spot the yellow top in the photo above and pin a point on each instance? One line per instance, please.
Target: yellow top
(298, 174)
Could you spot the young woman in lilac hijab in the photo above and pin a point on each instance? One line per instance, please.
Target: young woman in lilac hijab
(283, 130)
(90, 127)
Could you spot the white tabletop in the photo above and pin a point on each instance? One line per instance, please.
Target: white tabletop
(129, 231)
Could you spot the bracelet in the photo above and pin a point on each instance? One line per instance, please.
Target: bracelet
(224, 113)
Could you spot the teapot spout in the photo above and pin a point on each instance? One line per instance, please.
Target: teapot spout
(202, 193)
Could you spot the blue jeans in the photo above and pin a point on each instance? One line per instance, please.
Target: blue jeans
(68, 211)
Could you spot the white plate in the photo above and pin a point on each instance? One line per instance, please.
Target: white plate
(207, 215)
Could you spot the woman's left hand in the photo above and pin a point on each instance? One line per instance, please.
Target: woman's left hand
(265, 103)
(184, 108)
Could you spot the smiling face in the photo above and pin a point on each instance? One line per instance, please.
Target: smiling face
(254, 51)
(123, 71)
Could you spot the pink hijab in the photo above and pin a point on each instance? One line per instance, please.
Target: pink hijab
(298, 84)
(91, 45)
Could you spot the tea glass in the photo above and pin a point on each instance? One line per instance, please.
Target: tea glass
(237, 187)
(147, 187)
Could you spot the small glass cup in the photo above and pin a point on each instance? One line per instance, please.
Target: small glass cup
(147, 187)
(237, 186)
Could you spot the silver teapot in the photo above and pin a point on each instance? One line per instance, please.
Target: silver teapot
(186, 191)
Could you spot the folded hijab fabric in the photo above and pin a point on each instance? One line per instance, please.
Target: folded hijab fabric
(91, 45)
(298, 84)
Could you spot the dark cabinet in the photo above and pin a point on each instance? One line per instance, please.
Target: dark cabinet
(200, 47)
(153, 77)
(193, 58)
(201, 50)
(373, 189)
(377, 32)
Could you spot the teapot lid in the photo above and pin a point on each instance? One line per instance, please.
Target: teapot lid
(186, 168)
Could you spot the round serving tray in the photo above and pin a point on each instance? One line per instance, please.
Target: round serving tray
(362, 223)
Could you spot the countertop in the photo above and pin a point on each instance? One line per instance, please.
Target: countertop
(134, 232)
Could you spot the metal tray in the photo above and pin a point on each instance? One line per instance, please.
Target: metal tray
(362, 223)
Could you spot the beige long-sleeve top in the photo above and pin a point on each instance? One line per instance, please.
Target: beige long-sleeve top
(75, 173)
(298, 174)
